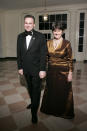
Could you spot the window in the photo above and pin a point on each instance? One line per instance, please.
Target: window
(52, 18)
(47, 36)
(81, 32)
(48, 24)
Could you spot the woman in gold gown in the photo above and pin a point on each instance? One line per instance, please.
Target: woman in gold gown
(58, 95)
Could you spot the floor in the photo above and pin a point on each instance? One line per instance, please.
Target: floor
(14, 98)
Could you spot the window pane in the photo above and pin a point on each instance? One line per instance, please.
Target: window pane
(64, 17)
(40, 18)
(50, 26)
(41, 26)
(81, 41)
(52, 18)
(81, 16)
(81, 24)
(46, 26)
(64, 24)
(80, 48)
(63, 35)
(81, 32)
(49, 36)
(58, 17)
(45, 36)
(48, 19)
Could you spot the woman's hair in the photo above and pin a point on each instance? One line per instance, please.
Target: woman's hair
(58, 25)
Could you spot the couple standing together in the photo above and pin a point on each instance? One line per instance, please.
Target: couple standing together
(33, 56)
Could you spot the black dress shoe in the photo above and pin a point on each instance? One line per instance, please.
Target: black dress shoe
(29, 106)
(34, 119)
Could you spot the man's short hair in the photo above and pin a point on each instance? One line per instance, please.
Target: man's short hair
(29, 16)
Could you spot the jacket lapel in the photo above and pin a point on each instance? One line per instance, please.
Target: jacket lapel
(24, 42)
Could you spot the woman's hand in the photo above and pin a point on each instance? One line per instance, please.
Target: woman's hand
(70, 76)
(20, 71)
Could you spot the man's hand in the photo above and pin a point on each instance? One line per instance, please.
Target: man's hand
(42, 74)
(20, 71)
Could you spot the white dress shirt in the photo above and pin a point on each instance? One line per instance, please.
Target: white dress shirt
(28, 38)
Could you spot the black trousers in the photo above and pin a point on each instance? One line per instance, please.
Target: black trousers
(34, 90)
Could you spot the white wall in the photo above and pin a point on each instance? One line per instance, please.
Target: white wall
(11, 29)
(11, 23)
(0, 37)
(1, 34)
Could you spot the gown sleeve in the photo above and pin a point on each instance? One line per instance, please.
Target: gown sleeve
(69, 56)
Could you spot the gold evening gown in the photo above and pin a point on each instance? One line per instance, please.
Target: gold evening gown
(58, 95)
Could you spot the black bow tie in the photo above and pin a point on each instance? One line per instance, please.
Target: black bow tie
(28, 33)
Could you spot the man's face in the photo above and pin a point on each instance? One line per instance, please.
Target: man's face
(29, 24)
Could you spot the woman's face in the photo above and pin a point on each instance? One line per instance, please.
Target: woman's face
(57, 33)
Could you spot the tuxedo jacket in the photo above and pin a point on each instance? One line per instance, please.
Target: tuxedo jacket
(33, 59)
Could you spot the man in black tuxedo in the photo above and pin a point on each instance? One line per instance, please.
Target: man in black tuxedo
(31, 60)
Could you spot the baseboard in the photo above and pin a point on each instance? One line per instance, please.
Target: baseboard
(15, 58)
(85, 61)
(74, 60)
(8, 58)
